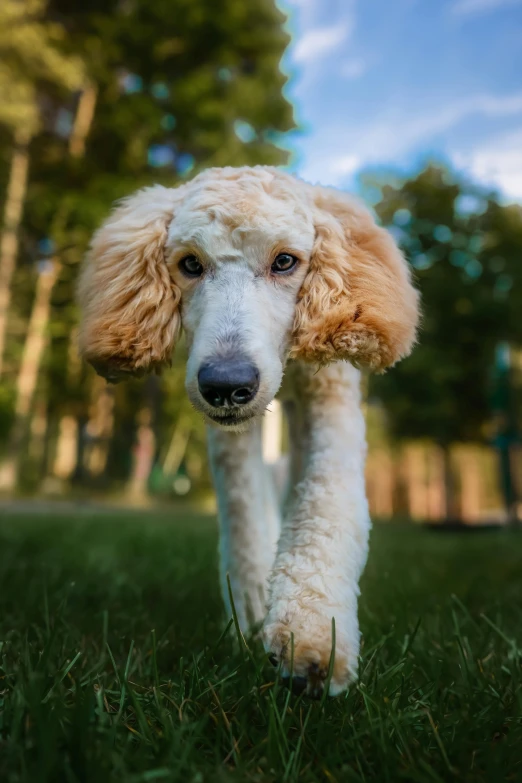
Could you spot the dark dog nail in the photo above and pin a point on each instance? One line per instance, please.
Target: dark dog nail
(297, 684)
(316, 692)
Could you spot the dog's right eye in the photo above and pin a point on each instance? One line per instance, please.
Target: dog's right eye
(283, 264)
(191, 266)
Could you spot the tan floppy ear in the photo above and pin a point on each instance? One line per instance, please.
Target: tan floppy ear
(130, 318)
(357, 302)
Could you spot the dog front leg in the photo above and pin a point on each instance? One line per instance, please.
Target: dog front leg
(248, 519)
(323, 544)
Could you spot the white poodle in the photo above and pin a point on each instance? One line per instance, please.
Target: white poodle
(269, 277)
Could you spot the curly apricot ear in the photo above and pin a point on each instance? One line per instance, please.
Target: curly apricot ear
(357, 302)
(130, 316)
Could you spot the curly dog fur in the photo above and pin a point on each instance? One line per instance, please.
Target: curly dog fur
(347, 303)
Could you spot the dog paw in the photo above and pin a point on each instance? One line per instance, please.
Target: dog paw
(302, 649)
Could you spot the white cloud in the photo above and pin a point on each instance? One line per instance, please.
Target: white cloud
(395, 135)
(398, 133)
(446, 117)
(314, 44)
(333, 155)
(497, 164)
(345, 165)
(353, 69)
(473, 7)
(331, 169)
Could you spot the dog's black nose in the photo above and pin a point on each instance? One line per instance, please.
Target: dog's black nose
(228, 382)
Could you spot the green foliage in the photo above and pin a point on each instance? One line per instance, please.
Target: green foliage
(180, 85)
(90, 691)
(465, 251)
(31, 57)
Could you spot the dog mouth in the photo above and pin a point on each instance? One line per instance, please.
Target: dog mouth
(230, 419)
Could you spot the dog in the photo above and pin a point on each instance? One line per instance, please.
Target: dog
(281, 288)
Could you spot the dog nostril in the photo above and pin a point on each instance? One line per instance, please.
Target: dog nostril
(228, 382)
(242, 396)
(215, 398)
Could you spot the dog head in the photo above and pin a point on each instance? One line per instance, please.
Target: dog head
(258, 267)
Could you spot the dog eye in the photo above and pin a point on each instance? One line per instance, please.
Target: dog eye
(191, 266)
(283, 263)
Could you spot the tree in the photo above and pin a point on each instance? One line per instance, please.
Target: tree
(464, 248)
(176, 86)
(29, 58)
(28, 375)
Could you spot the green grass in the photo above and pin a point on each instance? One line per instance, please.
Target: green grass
(114, 666)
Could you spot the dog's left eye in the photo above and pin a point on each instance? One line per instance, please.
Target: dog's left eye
(283, 263)
(191, 266)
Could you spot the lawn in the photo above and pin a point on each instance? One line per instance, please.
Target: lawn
(114, 664)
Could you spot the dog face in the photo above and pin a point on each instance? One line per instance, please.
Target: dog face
(239, 255)
(257, 267)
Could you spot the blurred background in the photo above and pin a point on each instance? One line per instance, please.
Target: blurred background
(416, 106)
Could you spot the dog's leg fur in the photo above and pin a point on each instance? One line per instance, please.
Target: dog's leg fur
(248, 519)
(324, 540)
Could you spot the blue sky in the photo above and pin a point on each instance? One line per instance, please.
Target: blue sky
(391, 82)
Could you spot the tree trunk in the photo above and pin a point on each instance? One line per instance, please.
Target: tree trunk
(100, 427)
(14, 203)
(35, 342)
(39, 425)
(83, 121)
(78, 475)
(177, 446)
(66, 448)
(69, 428)
(143, 458)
